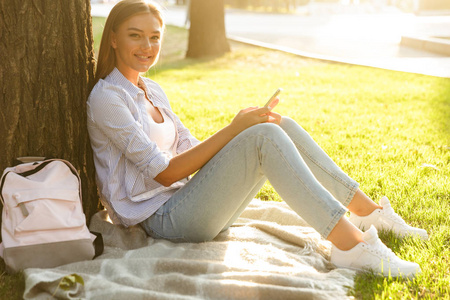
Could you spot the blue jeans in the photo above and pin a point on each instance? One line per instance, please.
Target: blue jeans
(299, 170)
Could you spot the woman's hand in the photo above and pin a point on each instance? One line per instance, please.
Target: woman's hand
(255, 115)
(250, 116)
(274, 117)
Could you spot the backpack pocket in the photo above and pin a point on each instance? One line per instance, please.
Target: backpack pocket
(40, 210)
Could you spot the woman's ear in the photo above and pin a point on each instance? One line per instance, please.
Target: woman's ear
(113, 40)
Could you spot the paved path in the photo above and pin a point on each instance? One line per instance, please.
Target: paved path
(362, 35)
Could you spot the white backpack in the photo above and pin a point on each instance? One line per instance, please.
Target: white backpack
(43, 224)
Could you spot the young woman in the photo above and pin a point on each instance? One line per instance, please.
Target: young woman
(144, 156)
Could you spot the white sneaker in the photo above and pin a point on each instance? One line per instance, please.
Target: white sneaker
(374, 256)
(387, 219)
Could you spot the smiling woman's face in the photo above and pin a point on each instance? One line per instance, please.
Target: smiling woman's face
(137, 44)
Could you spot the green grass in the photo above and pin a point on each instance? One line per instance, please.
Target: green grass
(11, 286)
(97, 31)
(389, 130)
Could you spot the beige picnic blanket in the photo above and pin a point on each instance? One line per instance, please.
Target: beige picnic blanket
(270, 253)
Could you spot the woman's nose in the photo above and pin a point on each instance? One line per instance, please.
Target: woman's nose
(146, 43)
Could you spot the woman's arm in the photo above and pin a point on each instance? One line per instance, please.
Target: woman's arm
(193, 159)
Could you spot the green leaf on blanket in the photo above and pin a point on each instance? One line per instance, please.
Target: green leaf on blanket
(68, 282)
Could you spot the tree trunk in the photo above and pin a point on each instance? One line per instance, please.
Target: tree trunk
(207, 31)
(47, 68)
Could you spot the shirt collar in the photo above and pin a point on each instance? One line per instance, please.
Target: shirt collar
(117, 77)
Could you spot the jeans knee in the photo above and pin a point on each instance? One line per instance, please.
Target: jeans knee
(287, 123)
(267, 129)
(291, 127)
(264, 132)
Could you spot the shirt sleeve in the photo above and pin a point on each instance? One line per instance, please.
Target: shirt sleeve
(110, 113)
(186, 139)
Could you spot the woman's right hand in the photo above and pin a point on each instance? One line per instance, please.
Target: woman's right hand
(250, 116)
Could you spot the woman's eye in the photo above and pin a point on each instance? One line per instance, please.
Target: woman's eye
(134, 35)
(156, 38)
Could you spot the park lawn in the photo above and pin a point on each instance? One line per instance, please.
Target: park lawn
(389, 130)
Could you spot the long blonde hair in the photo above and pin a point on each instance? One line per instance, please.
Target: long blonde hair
(122, 11)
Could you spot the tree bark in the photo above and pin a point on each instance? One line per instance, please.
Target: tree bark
(47, 69)
(207, 31)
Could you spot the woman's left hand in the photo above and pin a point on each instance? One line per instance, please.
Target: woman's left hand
(274, 117)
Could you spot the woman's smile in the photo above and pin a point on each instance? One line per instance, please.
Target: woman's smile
(144, 58)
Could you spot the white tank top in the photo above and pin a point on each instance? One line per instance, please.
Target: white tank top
(163, 134)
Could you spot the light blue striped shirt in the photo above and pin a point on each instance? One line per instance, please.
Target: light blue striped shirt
(126, 160)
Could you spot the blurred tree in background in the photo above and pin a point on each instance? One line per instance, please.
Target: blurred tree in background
(207, 35)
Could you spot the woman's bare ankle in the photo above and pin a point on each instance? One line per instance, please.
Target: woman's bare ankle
(345, 235)
(361, 205)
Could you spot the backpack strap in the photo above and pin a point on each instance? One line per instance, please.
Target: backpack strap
(98, 243)
(2, 183)
(35, 170)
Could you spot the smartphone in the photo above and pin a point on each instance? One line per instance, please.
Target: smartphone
(277, 92)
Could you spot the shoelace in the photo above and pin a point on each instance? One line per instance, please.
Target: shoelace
(391, 214)
(382, 250)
